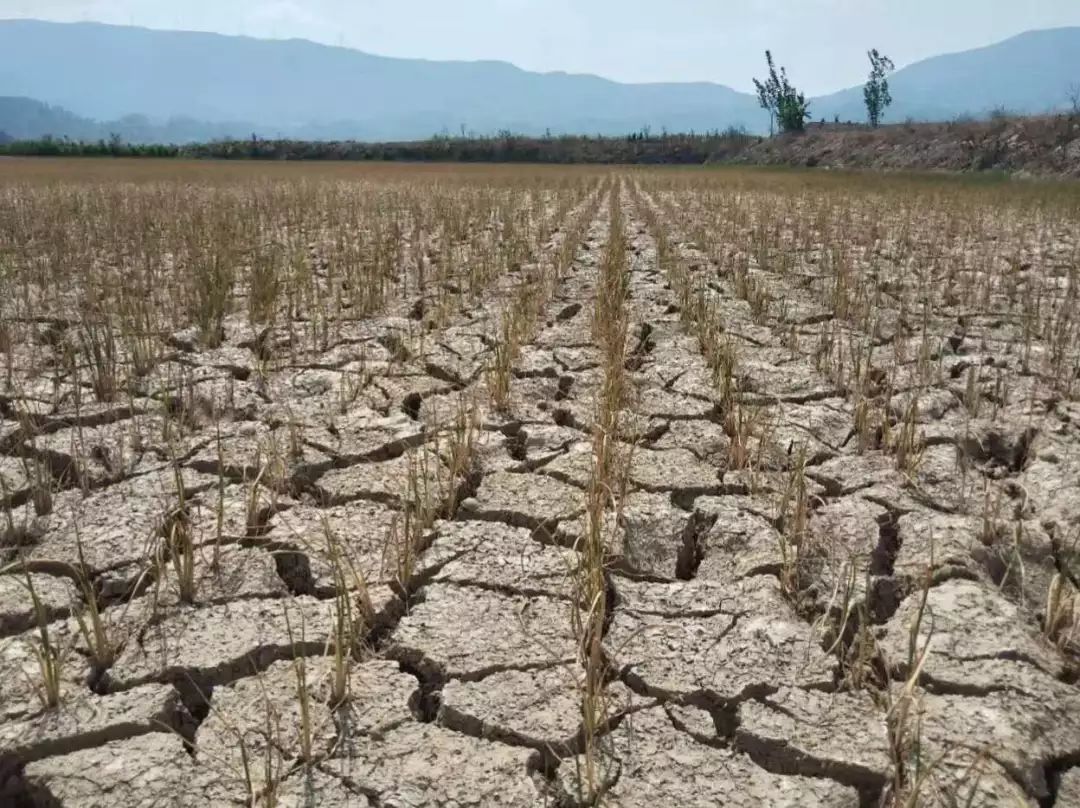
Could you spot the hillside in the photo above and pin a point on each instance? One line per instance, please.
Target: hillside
(305, 89)
(197, 86)
(28, 119)
(1029, 74)
(22, 118)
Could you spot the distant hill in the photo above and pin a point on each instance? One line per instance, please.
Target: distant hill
(296, 87)
(23, 118)
(182, 86)
(27, 118)
(1029, 74)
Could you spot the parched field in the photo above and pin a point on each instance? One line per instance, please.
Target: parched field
(458, 486)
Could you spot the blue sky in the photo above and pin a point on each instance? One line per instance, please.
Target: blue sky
(822, 42)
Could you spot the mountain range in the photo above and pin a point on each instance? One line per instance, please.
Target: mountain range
(85, 80)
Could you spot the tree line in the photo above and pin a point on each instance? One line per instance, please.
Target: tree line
(644, 147)
(789, 109)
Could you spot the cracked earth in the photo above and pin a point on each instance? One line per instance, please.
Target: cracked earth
(339, 563)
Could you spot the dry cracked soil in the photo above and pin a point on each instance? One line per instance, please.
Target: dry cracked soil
(351, 577)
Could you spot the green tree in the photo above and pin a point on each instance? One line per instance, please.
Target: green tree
(793, 111)
(785, 105)
(876, 92)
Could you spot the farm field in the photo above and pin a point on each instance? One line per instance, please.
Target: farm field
(392, 485)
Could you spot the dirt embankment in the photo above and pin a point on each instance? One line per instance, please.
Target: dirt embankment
(1044, 146)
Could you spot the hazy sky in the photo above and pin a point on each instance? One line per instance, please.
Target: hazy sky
(822, 42)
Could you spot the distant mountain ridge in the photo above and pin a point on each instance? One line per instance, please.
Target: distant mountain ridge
(105, 72)
(92, 79)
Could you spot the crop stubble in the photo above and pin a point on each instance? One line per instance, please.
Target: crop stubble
(509, 486)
